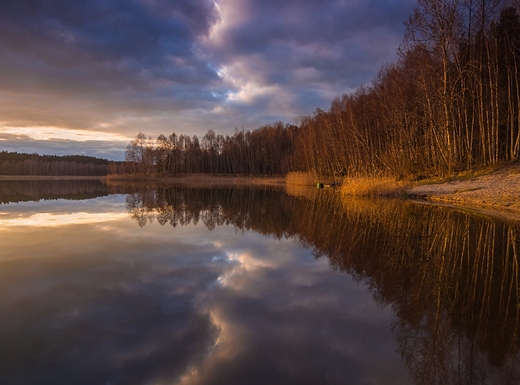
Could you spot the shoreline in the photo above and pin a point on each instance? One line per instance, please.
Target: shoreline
(193, 179)
(50, 177)
(196, 180)
(496, 193)
(493, 192)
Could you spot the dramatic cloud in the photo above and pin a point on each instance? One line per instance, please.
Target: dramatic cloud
(114, 66)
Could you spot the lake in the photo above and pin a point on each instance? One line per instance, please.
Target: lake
(179, 285)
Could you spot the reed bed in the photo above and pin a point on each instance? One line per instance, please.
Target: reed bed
(198, 179)
(375, 187)
(301, 178)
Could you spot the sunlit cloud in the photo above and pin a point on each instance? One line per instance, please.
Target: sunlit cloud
(53, 133)
(228, 14)
(56, 220)
(249, 91)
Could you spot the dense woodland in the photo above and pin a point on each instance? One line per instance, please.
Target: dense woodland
(450, 103)
(13, 163)
(266, 150)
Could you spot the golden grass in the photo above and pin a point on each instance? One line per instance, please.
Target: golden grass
(301, 178)
(374, 187)
(137, 177)
(469, 174)
(197, 179)
(460, 176)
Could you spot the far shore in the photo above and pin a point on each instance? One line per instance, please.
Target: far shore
(50, 177)
(197, 180)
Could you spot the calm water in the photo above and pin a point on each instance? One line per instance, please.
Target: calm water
(136, 285)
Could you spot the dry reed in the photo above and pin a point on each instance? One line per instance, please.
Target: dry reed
(373, 187)
(198, 179)
(301, 178)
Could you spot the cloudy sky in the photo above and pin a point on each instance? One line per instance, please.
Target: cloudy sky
(84, 77)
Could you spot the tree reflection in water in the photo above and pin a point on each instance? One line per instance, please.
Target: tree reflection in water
(451, 277)
(14, 191)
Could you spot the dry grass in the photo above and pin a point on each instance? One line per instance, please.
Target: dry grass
(470, 174)
(374, 187)
(302, 178)
(460, 176)
(131, 177)
(196, 180)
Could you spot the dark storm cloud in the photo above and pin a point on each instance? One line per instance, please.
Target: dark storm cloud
(311, 50)
(108, 41)
(329, 36)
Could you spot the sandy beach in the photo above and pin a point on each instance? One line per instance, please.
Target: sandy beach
(496, 193)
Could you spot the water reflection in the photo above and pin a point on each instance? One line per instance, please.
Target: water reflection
(451, 277)
(107, 301)
(247, 209)
(213, 286)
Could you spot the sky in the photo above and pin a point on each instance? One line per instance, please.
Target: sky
(85, 77)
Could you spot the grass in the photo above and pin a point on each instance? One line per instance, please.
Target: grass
(300, 178)
(461, 176)
(356, 186)
(130, 177)
(468, 189)
(197, 179)
(309, 178)
(374, 187)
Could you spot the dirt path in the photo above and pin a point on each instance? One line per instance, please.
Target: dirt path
(496, 193)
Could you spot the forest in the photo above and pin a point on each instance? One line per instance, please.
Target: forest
(264, 151)
(451, 102)
(13, 163)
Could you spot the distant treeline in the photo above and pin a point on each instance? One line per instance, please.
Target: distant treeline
(266, 150)
(450, 103)
(13, 163)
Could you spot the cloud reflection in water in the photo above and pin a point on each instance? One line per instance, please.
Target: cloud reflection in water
(115, 303)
